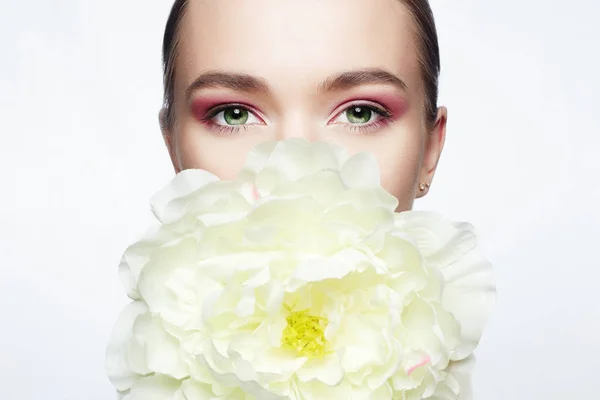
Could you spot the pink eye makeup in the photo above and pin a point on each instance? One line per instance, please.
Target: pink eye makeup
(369, 114)
(225, 116)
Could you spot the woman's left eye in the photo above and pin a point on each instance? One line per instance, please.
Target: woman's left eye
(361, 115)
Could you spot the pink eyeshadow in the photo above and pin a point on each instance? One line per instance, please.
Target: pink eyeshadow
(200, 106)
(394, 103)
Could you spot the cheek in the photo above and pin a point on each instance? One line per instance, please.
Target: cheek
(399, 179)
(221, 156)
(399, 155)
(400, 165)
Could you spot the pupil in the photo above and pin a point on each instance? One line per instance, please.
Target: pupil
(359, 115)
(235, 116)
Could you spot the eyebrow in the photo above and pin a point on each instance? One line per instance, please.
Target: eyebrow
(252, 84)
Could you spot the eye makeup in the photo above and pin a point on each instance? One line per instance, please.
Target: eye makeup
(207, 109)
(383, 117)
(396, 106)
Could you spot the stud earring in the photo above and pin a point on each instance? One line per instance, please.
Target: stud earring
(423, 186)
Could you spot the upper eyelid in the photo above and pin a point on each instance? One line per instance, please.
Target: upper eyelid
(383, 113)
(220, 107)
(368, 103)
(214, 111)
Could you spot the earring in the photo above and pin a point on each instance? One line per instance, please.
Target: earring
(423, 186)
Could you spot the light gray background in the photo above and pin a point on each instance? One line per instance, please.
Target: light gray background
(81, 154)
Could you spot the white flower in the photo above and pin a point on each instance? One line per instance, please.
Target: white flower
(297, 281)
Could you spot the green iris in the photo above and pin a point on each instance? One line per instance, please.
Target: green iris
(359, 115)
(235, 116)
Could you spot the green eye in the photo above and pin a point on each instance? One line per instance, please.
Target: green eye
(235, 116)
(359, 115)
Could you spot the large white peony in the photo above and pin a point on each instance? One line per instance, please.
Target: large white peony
(297, 281)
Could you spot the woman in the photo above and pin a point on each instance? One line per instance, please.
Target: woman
(359, 73)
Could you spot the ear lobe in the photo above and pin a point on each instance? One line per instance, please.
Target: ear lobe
(434, 144)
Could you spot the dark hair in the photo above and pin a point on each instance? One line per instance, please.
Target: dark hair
(429, 55)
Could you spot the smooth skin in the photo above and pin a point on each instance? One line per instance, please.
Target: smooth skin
(344, 71)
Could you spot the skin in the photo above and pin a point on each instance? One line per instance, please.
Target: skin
(292, 47)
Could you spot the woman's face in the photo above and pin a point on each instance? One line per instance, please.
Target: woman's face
(344, 71)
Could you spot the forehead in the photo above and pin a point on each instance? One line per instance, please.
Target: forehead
(296, 41)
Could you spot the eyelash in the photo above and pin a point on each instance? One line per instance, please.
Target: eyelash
(208, 119)
(384, 120)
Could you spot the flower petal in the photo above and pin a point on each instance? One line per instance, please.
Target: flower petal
(160, 351)
(461, 372)
(137, 255)
(327, 370)
(469, 294)
(156, 387)
(361, 171)
(117, 366)
(469, 290)
(183, 184)
(317, 268)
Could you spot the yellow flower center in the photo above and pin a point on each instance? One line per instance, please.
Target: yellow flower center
(305, 334)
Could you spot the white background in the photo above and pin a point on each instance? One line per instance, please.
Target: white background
(81, 154)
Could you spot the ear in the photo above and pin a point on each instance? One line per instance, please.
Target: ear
(169, 139)
(434, 144)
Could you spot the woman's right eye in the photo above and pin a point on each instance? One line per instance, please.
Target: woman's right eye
(230, 116)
